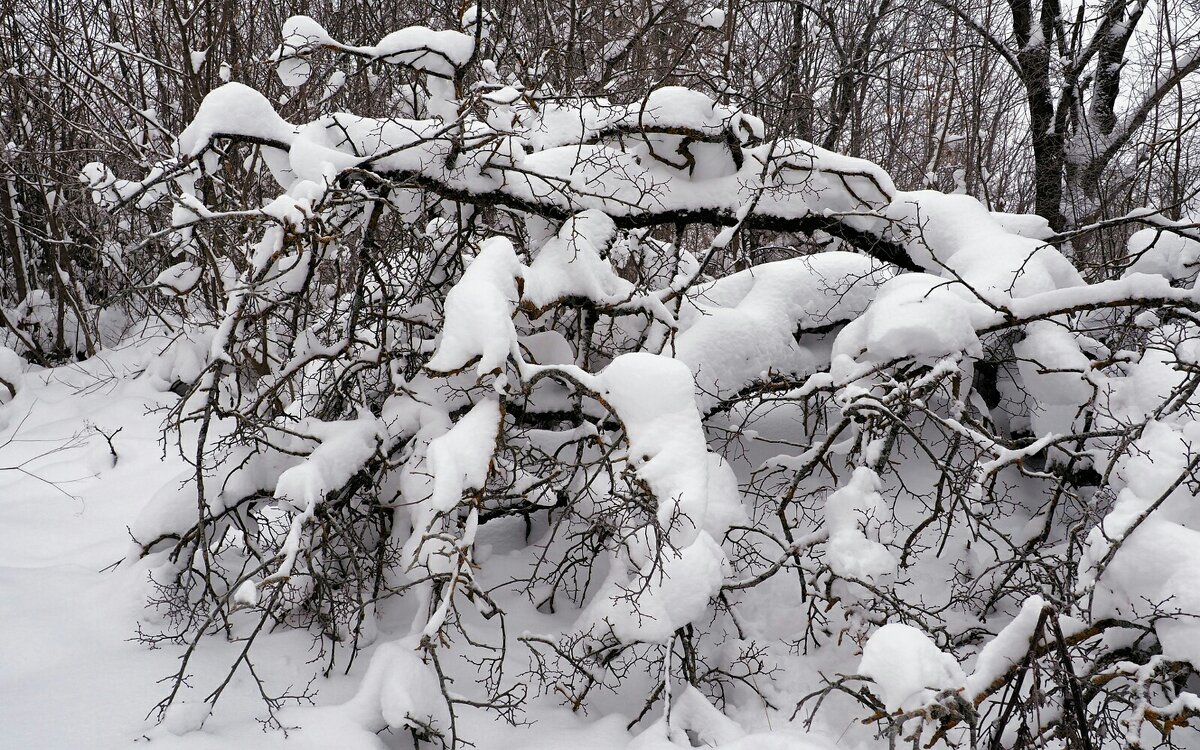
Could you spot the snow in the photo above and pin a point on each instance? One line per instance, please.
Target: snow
(197, 58)
(344, 447)
(185, 716)
(914, 315)
(55, 540)
(1009, 648)
(774, 300)
(233, 109)
(652, 396)
(1155, 560)
(314, 155)
(657, 586)
(293, 71)
(460, 459)
(907, 667)
(848, 511)
(301, 35)
(246, 594)
(713, 18)
(677, 106)
(956, 236)
(1026, 225)
(569, 265)
(421, 48)
(333, 84)
(72, 622)
(950, 236)
(503, 96)
(12, 369)
(690, 710)
(644, 429)
(398, 691)
(1055, 373)
(479, 309)
(180, 278)
(669, 593)
(1169, 255)
(424, 49)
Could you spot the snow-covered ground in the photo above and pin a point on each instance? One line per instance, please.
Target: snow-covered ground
(69, 674)
(73, 673)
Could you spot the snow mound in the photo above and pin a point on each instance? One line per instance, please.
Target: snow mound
(569, 265)
(479, 309)
(234, 109)
(12, 369)
(918, 316)
(848, 511)
(1163, 253)
(907, 667)
(1007, 649)
(776, 301)
(460, 458)
(399, 691)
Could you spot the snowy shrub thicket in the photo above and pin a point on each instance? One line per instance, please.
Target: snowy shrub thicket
(498, 396)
